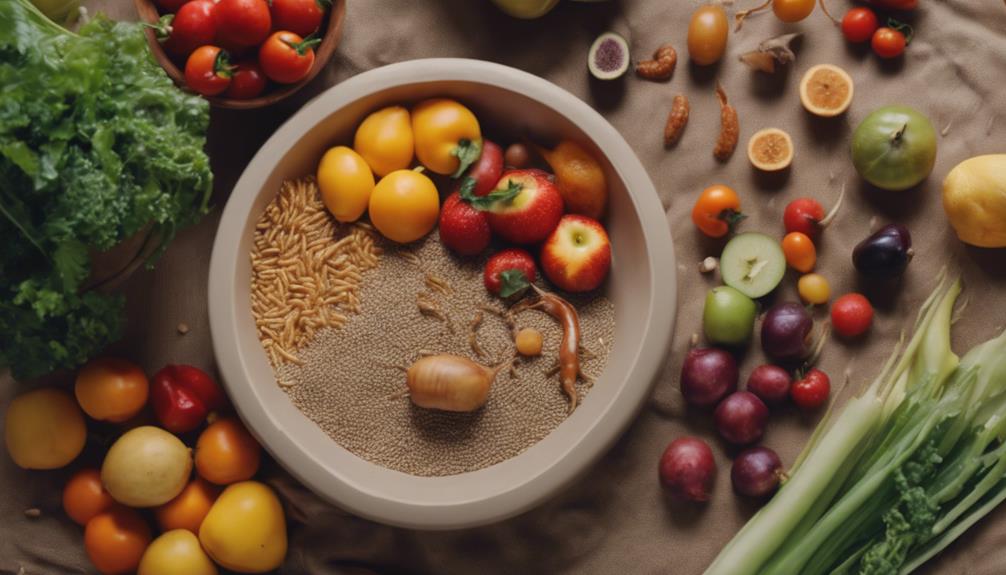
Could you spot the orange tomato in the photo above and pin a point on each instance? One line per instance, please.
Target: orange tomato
(116, 539)
(189, 508)
(227, 453)
(717, 211)
(800, 252)
(84, 496)
(111, 389)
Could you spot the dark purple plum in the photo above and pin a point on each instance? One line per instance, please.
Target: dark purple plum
(688, 469)
(741, 418)
(770, 383)
(756, 472)
(885, 254)
(785, 332)
(707, 375)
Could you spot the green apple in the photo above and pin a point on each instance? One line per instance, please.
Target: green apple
(894, 148)
(728, 317)
(527, 9)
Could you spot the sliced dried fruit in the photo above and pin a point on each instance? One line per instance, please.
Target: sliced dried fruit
(608, 57)
(826, 90)
(770, 150)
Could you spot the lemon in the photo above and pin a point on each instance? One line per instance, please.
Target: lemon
(345, 181)
(826, 90)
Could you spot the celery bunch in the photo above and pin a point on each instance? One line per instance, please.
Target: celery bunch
(903, 470)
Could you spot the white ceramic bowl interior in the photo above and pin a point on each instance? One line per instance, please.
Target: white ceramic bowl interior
(642, 286)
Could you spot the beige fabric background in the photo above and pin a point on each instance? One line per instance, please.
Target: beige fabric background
(614, 519)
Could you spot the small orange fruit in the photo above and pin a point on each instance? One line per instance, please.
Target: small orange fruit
(115, 540)
(189, 508)
(800, 252)
(84, 497)
(770, 150)
(826, 90)
(111, 389)
(226, 453)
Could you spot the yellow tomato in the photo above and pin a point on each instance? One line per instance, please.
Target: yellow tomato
(345, 181)
(44, 429)
(404, 206)
(384, 139)
(448, 138)
(176, 553)
(245, 530)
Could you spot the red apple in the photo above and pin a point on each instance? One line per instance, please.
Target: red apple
(532, 213)
(577, 256)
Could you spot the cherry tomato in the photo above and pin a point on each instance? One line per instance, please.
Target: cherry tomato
(193, 26)
(84, 497)
(813, 289)
(189, 508)
(243, 22)
(170, 5)
(851, 315)
(803, 215)
(227, 453)
(286, 57)
(888, 42)
(116, 539)
(111, 389)
(792, 10)
(812, 390)
(298, 16)
(208, 70)
(800, 252)
(247, 81)
(859, 24)
(717, 211)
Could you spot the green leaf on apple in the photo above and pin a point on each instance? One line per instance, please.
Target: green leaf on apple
(485, 203)
(512, 282)
(467, 152)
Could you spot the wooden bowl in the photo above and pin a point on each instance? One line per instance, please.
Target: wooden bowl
(332, 25)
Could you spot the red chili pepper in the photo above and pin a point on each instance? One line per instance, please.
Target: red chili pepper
(183, 396)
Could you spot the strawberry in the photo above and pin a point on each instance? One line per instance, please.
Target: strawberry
(463, 229)
(509, 272)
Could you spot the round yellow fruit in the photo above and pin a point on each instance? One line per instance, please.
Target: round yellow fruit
(826, 90)
(974, 198)
(176, 552)
(404, 206)
(385, 141)
(44, 429)
(770, 150)
(146, 467)
(346, 182)
(245, 530)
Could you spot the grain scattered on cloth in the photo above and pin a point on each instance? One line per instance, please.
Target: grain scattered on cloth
(306, 270)
(423, 300)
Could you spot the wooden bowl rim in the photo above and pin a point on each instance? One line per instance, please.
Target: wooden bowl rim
(333, 23)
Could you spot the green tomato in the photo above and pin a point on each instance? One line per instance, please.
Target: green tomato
(894, 148)
(728, 317)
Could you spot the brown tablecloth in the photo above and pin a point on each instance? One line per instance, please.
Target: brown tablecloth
(615, 518)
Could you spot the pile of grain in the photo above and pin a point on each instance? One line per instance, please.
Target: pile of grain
(421, 299)
(306, 270)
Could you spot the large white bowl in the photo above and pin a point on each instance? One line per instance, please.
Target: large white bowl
(642, 286)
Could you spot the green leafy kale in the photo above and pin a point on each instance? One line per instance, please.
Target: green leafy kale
(96, 145)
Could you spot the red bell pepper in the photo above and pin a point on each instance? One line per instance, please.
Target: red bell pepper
(183, 396)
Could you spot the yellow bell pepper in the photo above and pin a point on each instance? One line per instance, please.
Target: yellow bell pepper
(245, 530)
(974, 198)
(447, 136)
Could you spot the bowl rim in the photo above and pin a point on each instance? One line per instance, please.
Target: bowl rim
(333, 22)
(352, 494)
